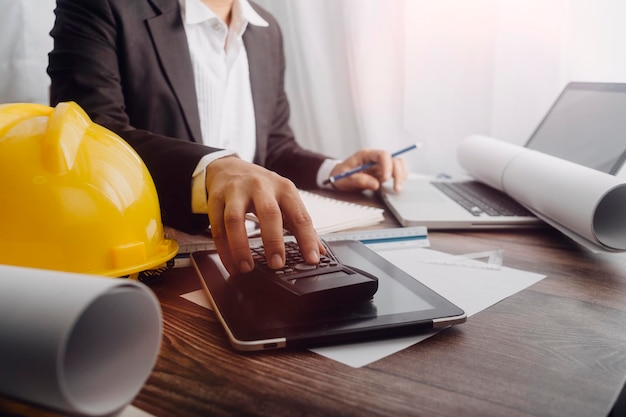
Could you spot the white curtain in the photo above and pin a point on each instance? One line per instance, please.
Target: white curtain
(385, 73)
(24, 46)
(344, 72)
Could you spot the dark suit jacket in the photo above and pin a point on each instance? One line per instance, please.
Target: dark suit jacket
(127, 63)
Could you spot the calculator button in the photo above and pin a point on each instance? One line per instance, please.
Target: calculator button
(305, 267)
(295, 265)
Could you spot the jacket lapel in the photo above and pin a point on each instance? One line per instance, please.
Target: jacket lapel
(170, 42)
(257, 43)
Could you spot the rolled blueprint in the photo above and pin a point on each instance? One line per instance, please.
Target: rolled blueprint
(75, 343)
(587, 205)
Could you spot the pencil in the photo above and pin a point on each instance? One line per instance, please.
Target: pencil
(368, 165)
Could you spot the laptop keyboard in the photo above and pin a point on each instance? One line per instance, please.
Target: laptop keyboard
(479, 199)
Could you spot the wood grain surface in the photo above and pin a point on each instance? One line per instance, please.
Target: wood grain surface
(557, 348)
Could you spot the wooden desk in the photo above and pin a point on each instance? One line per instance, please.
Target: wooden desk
(557, 348)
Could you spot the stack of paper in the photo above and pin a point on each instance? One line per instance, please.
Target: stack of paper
(331, 215)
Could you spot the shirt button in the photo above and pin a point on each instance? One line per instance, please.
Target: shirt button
(217, 27)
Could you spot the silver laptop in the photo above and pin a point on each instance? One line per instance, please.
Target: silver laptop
(585, 125)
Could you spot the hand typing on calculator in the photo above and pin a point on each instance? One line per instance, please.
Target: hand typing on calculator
(327, 284)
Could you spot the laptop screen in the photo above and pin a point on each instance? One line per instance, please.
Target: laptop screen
(586, 125)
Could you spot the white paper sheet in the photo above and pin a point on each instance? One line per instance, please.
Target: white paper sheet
(585, 204)
(470, 284)
(75, 343)
(132, 411)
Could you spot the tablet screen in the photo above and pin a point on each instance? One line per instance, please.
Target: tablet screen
(392, 296)
(400, 302)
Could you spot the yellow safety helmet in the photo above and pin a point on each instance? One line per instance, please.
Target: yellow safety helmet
(74, 196)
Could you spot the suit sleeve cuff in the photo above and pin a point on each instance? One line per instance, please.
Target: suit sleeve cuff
(199, 198)
(324, 172)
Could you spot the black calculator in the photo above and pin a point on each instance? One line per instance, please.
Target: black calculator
(327, 284)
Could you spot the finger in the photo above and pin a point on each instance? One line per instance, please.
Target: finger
(400, 173)
(218, 232)
(227, 215)
(270, 218)
(360, 181)
(298, 221)
(382, 163)
(237, 236)
(321, 247)
(364, 180)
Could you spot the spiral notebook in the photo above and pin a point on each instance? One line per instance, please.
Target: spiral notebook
(328, 214)
(331, 215)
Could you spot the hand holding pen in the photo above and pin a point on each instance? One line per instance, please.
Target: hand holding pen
(373, 168)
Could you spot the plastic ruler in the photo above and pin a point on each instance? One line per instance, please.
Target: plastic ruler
(397, 237)
(481, 260)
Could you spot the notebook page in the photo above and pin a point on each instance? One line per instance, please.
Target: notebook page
(332, 215)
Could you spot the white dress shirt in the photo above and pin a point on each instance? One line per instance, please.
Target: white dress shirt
(222, 80)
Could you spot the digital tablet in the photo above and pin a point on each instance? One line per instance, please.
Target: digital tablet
(253, 320)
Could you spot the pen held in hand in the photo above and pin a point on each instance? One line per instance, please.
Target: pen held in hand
(368, 165)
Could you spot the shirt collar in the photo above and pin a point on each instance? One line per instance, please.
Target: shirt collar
(194, 11)
(250, 15)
